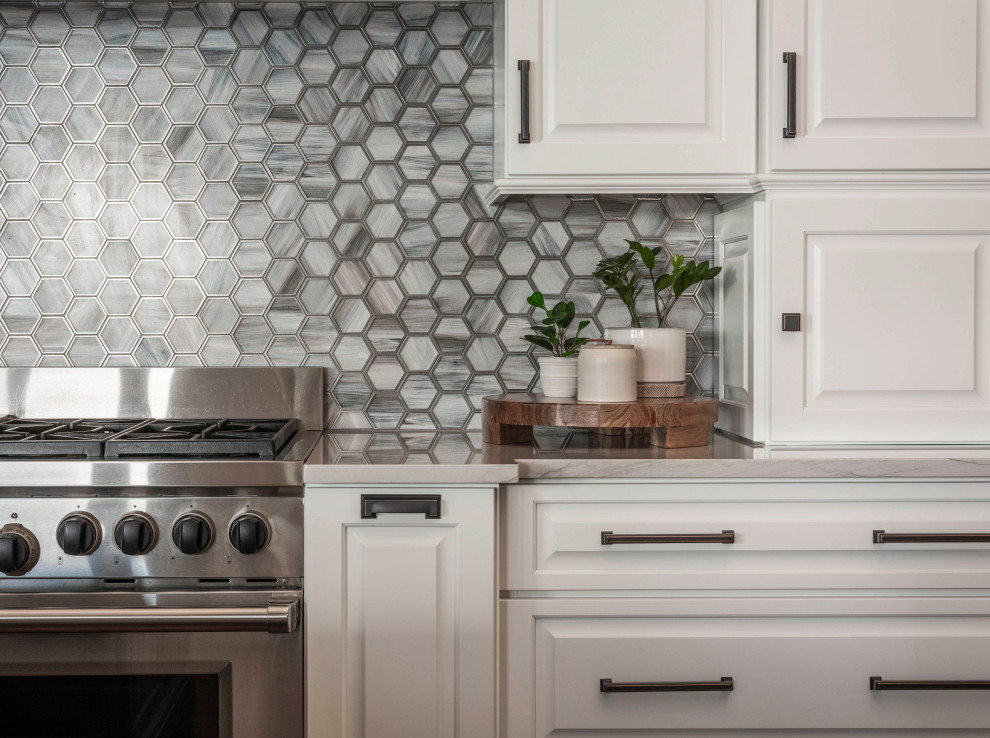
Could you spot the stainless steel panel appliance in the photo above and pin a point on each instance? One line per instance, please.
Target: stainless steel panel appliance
(151, 551)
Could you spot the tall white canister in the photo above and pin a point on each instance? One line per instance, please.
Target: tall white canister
(607, 372)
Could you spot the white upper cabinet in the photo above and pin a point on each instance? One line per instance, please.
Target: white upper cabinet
(894, 343)
(879, 84)
(890, 339)
(626, 93)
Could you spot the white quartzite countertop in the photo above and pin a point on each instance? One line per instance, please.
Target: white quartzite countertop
(453, 457)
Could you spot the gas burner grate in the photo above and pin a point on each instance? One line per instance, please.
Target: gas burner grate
(210, 438)
(21, 437)
(120, 438)
(169, 431)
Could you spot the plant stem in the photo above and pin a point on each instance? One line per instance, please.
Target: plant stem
(656, 299)
(667, 307)
(633, 318)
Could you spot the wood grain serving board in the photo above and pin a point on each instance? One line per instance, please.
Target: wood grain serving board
(675, 422)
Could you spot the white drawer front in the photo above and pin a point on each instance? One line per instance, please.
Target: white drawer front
(554, 537)
(790, 674)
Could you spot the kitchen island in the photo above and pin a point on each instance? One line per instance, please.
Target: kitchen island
(532, 590)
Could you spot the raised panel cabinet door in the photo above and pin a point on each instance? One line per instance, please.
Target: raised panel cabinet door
(632, 87)
(400, 619)
(894, 341)
(880, 84)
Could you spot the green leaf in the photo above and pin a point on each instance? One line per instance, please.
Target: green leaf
(647, 255)
(548, 332)
(539, 341)
(566, 312)
(536, 300)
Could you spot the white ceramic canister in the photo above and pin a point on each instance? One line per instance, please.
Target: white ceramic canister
(607, 373)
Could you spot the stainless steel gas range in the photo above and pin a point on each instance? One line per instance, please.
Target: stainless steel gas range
(151, 553)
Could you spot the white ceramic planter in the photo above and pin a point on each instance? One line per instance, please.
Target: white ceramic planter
(660, 352)
(558, 377)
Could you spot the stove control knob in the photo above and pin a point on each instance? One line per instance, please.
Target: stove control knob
(18, 550)
(134, 535)
(249, 534)
(192, 534)
(78, 535)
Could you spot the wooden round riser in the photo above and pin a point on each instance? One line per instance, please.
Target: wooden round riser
(672, 422)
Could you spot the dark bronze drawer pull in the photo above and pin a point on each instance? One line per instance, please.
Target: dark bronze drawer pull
(609, 538)
(882, 536)
(429, 505)
(790, 59)
(725, 685)
(879, 684)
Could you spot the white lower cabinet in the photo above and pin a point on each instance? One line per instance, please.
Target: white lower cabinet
(854, 608)
(400, 613)
(798, 666)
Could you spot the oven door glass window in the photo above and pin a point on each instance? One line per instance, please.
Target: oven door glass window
(111, 706)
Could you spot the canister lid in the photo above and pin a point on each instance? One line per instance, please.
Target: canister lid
(596, 346)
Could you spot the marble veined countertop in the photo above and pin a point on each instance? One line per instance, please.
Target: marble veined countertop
(460, 457)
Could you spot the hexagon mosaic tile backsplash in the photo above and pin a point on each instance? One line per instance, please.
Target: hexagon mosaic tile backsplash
(287, 184)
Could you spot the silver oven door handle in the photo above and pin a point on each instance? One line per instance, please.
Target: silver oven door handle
(277, 617)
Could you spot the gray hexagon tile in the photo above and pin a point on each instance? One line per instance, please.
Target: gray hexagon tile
(281, 184)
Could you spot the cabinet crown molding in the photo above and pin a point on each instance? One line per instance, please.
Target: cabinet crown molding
(748, 184)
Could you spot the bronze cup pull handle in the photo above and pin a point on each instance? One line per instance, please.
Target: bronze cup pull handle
(428, 505)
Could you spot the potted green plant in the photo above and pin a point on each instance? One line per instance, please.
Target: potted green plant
(661, 351)
(558, 372)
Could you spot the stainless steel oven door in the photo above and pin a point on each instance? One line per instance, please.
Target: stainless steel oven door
(151, 665)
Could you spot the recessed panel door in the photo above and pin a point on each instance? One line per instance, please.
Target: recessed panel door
(881, 84)
(400, 616)
(894, 339)
(629, 87)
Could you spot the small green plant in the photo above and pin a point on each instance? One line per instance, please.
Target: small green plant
(622, 275)
(551, 334)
